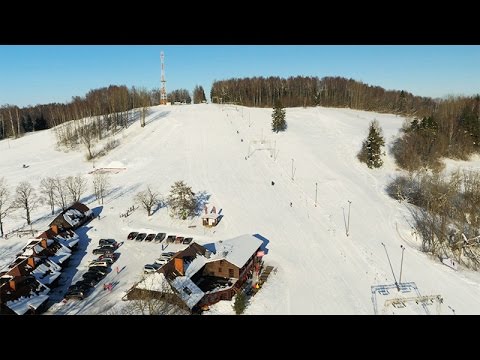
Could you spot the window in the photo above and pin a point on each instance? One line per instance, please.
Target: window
(187, 290)
(230, 273)
(219, 269)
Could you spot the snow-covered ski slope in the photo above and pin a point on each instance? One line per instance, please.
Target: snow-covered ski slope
(319, 269)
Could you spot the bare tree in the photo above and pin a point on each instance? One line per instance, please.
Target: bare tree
(101, 185)
(61, 194)
(147, 199)
(26, 199)
(150, 298)
(76, 186)
(5, 207)
(87, 137)
(47, 188)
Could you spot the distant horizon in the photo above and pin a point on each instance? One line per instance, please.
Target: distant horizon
(36, 75)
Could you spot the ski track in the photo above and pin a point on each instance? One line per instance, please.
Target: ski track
(319, 270)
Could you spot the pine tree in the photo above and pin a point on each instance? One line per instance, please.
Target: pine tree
(278, 118)
(240, 303)
(371, 151)
(182, 201)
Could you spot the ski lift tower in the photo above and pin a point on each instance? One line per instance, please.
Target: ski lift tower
(163, 89)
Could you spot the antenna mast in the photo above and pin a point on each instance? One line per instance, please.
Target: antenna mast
(163, 90)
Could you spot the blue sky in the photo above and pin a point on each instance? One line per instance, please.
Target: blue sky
(32, 75)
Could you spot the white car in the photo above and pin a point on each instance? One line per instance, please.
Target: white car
(151, 268)
(162, 260)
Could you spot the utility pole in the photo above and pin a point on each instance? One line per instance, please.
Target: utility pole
(316, 186)
(348, 223)
(391, 268)
(401, 265)
(292, 169)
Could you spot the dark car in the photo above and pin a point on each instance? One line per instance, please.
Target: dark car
(85, 284)
(99, 270)
(75, 294)
(187, 240)
(132, 235)
(77, 286)
(160, 236)
(105, 258)
(140, 237)
(92, 275)
(171, 238)
(150, 237)
(103, 242)
(103, 251)
(151, 268)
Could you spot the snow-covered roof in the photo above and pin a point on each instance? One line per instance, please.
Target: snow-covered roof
(68, 241)
(73, 216)
(237, 250)
(22, 305)
(155, 282)
(38, 248)
(187, 290)
(47, 272)
(209, 216)
(62, 254)
(195, 265)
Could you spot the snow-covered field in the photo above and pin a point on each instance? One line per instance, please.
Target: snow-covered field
(319, 269)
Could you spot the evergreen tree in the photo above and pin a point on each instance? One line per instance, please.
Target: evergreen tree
(182, 201)
(278, 118)
(198, 95)
(240, 303)
(371, 151)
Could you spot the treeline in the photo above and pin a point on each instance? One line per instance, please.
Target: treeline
(113, 103)
(452, 130)
(179, 96)
(313, 91)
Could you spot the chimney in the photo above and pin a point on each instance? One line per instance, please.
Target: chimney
(207, 254)
(12, 284)
(178, 263)
(54, 229)
(31, 262)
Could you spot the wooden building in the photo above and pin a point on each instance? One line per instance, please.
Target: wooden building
(210, 220)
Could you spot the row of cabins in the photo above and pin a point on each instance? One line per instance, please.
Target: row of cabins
(24, 287)
(200, 276)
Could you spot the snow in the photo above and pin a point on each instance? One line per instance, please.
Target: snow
(154, 282)
(237, 250)
(320, 269)
(73, 216)
(23, 304)
(187, 290)
(68, 241)
(195, 265)
(47, 272)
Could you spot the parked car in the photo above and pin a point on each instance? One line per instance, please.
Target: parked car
(103, 251)
(160, 236)
(75, 294)
(151, 268)
(100, 263)
(187, 240)
(86, 283)
(169, 255)
(99, 270)
(103, 242)
(103, 258)
(162, 260)
(132, 235)
(112, 257)
(150, 237)
(78, 286)
(179, 239)
(171, 238)
(91, 274)
(140, 237)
